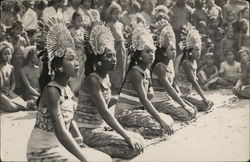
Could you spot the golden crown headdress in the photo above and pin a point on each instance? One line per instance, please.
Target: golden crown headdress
(98, 38)
(164, 34)
(55, 38)
(138, 36)
(190, 37)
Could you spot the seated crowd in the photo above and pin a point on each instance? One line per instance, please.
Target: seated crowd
(72, 60)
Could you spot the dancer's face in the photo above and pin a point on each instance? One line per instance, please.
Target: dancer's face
(70, 63)
(115, 14)
(244, 56)
(147, 55)
(6, 55)
(109, 60)
(171, 51)
(196, 52)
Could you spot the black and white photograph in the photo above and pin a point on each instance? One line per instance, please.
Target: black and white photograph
(124, 80)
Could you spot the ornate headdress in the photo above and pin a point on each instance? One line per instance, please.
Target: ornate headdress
(190, 37)
(98, 38)
(5, 44)
(55, 39)
(138, 36)
(164, 34)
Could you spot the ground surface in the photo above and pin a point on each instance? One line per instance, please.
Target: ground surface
(221, 135)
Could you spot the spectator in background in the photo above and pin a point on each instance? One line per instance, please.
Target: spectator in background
(29, 20)
(230, 71)
(7, 14)
(147, 8)
(228, 42)
(117, 29)
(3, 36)
(77, 33)
(199, 13)
(89, 15)
(70, 10)
(243, 38)
(10, 102)
(180, 15)
(20, 40)
(233, 6)
(216, 38)
(54, 9)
(39, 6)
(242, 87)
(207, 44)
(213, 10)
(230, 19)
(208, 72)
(134, 15)
(125, 4)
(244, 13)
(213, 27)
(30, 73)
(104, 14)
(220, 3)
(98, 5)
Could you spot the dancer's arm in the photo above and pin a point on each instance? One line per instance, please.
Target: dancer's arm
(94, 89)
(161, 73)
(191, 76)
(63, 135)
(142, 94)
(27, 84)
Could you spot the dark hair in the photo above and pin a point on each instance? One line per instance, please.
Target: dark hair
(199, 4)
(186, 54)
(133, 62)
(30, 54)
(45, 78)
(75, 15)
(90, 62)
(158, 56)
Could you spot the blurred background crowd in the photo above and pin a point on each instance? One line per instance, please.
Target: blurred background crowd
(222, 24)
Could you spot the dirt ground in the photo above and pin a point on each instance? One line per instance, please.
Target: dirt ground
(221, 135)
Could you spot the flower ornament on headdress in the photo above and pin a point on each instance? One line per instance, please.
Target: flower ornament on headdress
(56, 38)
(98, 38)
(138, 37)
(190, 37)
(164, 34)
(5, 44)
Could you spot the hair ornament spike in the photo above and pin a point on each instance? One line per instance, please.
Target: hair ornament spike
(164, 34)
(98, 38)
(55, 38)
(190, 37)
(138, 36)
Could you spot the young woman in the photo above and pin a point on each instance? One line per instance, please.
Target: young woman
(77, 33)
(19, 40)
(95, 99)
(55, 136)
(117, 29)
(186, 79)
(242, 87)
(166, 91)
(134, 109)
(10, 102)
(30, 73)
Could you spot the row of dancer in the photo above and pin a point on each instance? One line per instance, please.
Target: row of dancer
(146, 108)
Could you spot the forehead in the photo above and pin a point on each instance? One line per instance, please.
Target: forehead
(70, 52)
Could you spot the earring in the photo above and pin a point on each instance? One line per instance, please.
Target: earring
(99, 63)
(165, 54)
(136, 62)
(140, 58)
(60, 69)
